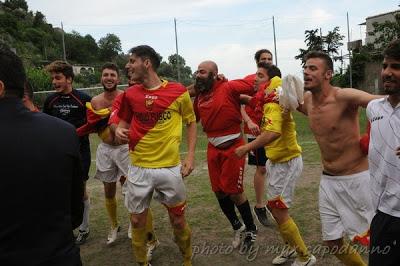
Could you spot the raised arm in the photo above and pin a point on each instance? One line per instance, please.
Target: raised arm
(356, 97)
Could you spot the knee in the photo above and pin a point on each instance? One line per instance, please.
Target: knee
(238, 198)
(220, 195)
(138, 220)
(178, 222)
(334, 244)
(261, 170)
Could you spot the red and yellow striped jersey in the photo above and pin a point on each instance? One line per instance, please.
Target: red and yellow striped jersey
(155, 118)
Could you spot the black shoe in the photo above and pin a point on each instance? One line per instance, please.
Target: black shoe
(81, 238)
(249, 238)
(261, 215)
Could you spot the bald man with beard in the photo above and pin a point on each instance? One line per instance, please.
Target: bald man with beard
(217, 106)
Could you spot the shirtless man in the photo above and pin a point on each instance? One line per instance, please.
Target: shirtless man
(111, 159)
(344, 196)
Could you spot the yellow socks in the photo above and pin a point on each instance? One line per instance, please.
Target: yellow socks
(290, 234)
(151, 236)
(111, 206)
(183, 240)
(139, 245)
(349, 256)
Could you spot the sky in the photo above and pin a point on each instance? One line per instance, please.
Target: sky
(228, 32)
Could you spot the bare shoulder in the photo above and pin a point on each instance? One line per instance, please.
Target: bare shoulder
(97, 100)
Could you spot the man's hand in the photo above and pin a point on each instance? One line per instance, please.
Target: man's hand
(253, 127)
(398, 152)
(122, 135)
(241, 151)
(187, 167)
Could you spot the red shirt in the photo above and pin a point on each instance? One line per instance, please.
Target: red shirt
(254, 116)
(219, 109)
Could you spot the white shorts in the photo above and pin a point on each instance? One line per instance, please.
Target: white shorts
(166, 183)
(345, 205)
(282, 179)
(111, 162)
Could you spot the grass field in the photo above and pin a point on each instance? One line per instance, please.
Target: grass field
(211, 232)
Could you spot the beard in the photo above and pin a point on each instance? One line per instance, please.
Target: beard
(393, 89)
(110, 89)
(202, 85)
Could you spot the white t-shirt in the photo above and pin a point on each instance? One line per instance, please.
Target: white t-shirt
(384, 165)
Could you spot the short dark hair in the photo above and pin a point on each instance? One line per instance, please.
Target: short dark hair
(393, 50)
(12, 72)
(110, 65)
(258, 54)
(321, 55)
(147, 52)
(272, 70)
(62, 67)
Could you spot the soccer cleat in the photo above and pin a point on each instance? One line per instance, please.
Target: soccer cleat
(286, 254)
(81, 237)
(151, 246)
(130, 231)
(311, 261)
(237, 236)
(112, 236)
(261, 216)
(249, 237)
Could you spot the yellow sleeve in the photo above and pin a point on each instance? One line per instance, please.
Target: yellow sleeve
(186, 109)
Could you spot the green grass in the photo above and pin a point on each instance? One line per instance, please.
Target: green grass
(210, 230)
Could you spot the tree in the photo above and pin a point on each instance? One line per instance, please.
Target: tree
(16, 4)
(109, 47)
(385, 32)
(170, 70)
(315, 41)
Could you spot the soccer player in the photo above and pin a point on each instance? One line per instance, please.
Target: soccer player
(111, 160)
(284, 167)
(384, 116)
(68, 104)
(217, 106)
(152, 113)
(345, 204)
(252, 120)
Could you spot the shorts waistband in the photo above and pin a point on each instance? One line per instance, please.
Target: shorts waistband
(113, 146)
(343, 177)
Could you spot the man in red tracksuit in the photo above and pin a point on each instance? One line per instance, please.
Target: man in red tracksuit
(217, 106)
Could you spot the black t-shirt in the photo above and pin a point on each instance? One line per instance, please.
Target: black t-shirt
(69, 107)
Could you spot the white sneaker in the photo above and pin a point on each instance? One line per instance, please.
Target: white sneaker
(151, 246)
(130, 231)
(112, 236)
(237, 236)
(286, 254)
(311, 261)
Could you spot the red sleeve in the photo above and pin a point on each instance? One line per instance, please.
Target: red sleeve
(125, 111)
(114, 118)
(241, 86)
(364, 141)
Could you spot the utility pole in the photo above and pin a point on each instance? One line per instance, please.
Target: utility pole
(273, 26)
(349, 49)
(63, 42)
(177, 52)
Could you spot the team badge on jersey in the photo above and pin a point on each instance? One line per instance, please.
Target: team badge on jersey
(149, 101)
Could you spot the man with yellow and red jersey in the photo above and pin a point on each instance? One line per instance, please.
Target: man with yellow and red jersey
(152, 113)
